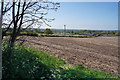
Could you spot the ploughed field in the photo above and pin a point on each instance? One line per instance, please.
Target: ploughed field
(99, 53)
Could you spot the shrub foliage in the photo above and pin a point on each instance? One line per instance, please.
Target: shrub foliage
(48, 31)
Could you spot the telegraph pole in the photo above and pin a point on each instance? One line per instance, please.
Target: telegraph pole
(64, 29)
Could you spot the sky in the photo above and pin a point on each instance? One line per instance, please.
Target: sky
(87, 0)
(72, 0)
(85, 15)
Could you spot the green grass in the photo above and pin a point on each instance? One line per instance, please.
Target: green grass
(34, 64)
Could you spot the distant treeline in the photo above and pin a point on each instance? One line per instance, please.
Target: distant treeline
(87, 32)
(35, 32)
(94, 32)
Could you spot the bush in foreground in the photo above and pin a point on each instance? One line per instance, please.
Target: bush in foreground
(24, 64)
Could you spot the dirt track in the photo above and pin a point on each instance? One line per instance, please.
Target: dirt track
(99, 53)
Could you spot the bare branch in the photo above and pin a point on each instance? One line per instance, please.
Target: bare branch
(46, 23)
(21, 17)
(28, 26)
(6, 10)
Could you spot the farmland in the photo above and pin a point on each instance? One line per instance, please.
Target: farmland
(98, 53)
(49, 40)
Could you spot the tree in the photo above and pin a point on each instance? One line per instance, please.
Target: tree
(72, 32)
(1, 16)
(48, 31)
(25, 14)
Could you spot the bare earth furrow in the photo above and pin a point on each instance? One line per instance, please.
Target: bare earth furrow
(97, 53)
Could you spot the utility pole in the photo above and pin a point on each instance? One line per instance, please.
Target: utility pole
(64, 29)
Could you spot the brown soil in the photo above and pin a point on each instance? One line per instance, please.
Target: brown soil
(99, 53)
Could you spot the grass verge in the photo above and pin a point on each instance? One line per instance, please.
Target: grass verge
(34, 64)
